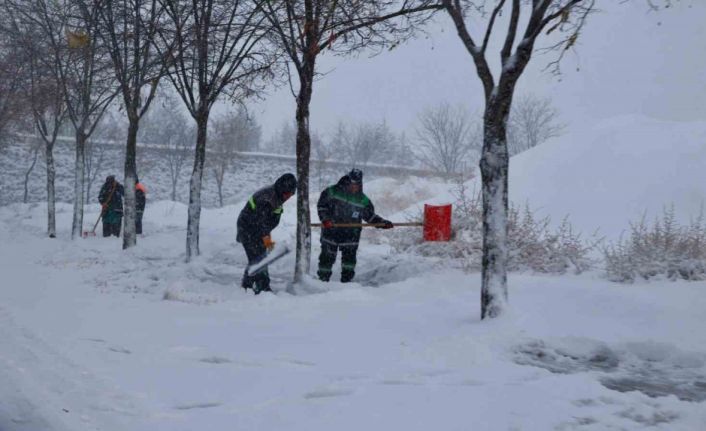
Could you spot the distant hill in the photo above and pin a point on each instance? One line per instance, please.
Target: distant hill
(248, 173)
(615, 172)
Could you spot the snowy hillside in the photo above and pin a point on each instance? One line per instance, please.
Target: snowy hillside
(247, 173)
(614, 172)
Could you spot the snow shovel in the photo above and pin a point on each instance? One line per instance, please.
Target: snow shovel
(92, 232)
(276, 254)
(368, 224)
(435, 227)
(104, 206)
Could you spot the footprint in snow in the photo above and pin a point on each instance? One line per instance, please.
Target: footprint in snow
(400, 382)
(434, 373)
(327, 393)
(206, 405)
(215, 360)
(298, 362)
(467, 382)
(218, 360)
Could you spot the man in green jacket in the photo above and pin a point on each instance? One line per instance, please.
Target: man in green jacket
(111, 200)
(344, 202)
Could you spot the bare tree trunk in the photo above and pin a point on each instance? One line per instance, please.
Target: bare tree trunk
(173, 169)
(129, 236)
(93, 166)
(79, 175)
(35, 153)
(219, 184)
(51, 191)
(303, 255)
(194, 214)
(89, 184)
(494, 165)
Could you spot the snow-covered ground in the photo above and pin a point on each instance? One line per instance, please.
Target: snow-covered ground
(96, 338)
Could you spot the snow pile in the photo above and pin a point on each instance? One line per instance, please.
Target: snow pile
(615, 172)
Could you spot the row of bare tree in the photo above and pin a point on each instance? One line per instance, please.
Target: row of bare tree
(73, 57)
(447, 139)
(450, 140)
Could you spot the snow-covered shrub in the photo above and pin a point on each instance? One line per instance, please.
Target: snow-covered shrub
(533, 244)
(666, 249)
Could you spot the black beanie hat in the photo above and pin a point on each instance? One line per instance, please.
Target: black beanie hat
(356, 176)
(287, 183)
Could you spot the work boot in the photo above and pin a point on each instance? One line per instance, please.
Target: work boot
(262, 282)
(247, 282)
(347, 275)
(324, 274)
(261, 287)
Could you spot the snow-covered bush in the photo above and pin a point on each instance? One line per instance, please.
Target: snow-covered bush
(666, 249)
(533, 244)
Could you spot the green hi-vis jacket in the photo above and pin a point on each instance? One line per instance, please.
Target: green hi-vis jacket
(339, 206)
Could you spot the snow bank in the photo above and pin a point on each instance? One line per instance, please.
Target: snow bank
(604, 176)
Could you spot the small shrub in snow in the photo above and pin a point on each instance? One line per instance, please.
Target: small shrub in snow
(533, 244)
(666, 249)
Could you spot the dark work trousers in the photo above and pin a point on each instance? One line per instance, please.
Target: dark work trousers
(255, 251)
(328, 257)
(112, 228)
(138, 222)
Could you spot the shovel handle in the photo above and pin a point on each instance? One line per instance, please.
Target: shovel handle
(368, 224)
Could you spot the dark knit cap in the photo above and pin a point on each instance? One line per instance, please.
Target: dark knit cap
(287, 183)
(356, 176)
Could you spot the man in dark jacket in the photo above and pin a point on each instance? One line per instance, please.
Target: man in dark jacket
(140, 202)
(111, 200)
(255, 222)
(344, 202)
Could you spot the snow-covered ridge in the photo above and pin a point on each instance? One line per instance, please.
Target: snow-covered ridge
(614, 172)
(247, 154)
(249, 172)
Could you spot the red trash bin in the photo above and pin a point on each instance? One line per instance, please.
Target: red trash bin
(437, 222)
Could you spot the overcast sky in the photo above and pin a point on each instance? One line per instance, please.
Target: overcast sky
(627, 61)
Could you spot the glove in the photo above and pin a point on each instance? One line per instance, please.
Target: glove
(327, 224)
(386, 224)
(267, 241)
